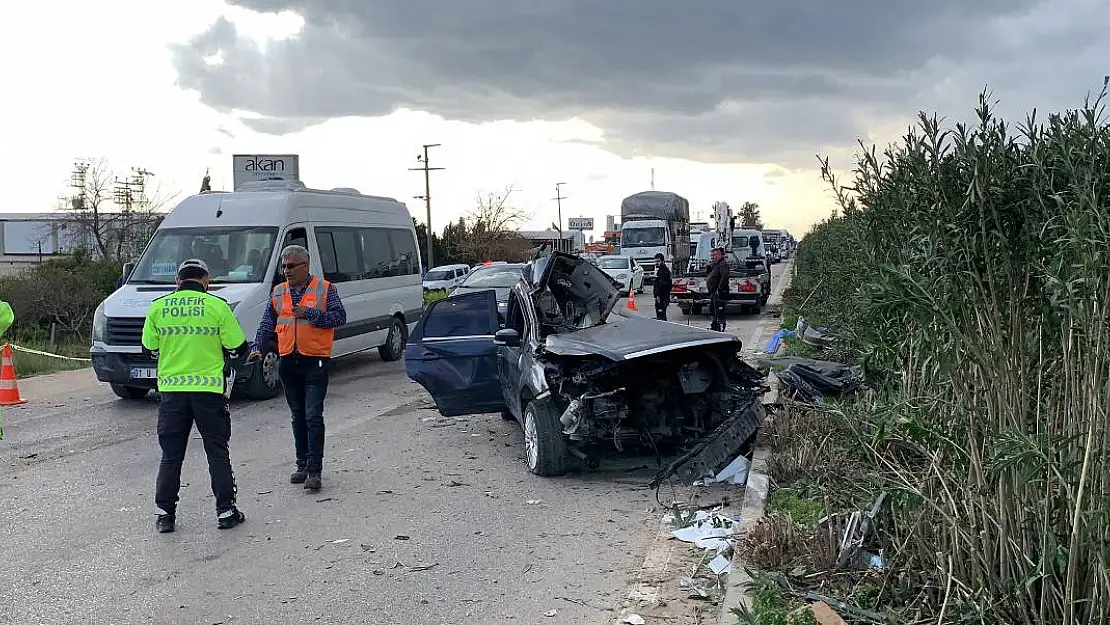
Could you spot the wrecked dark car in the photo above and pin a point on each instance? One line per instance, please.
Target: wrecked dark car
(579, 377)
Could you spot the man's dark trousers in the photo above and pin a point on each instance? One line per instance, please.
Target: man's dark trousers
(176, 414)
(717, 311)
(306, 384)
(661, 305)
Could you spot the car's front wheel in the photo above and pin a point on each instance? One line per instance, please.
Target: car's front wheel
(545, 449)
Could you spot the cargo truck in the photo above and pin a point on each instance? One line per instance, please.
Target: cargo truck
(656, 222)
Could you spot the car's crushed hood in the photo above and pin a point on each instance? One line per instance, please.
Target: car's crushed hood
(628, 338)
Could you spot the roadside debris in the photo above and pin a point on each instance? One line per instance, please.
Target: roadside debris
(858, 528)
(633, 619)
(810, 335)
(550, 613)
(812, 380)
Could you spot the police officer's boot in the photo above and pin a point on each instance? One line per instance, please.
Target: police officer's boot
(298, 476)
(714, 327)
(312, 482)
(165, 523)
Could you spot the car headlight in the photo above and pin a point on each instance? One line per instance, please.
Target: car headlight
(100, 323)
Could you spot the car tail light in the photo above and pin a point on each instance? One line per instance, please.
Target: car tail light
(748, 287)
(678, 286)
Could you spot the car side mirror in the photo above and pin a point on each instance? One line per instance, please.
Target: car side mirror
(128, 269)
(507, 337)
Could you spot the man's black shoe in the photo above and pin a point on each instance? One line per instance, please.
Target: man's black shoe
(298, 476)
(312, 482)
(165, 523)
(230, 519)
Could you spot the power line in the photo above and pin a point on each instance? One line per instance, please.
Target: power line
(427, 197)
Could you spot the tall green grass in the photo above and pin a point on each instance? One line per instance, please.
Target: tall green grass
(976, 263)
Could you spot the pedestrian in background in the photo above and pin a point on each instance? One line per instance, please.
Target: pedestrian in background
(189, 332)
(661, 288)
(717, 286)
(303, 314)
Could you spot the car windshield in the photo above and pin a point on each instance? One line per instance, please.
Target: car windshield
(440, 275)
(642, 237)
(613, 263)
(492, 278)
(233, 254)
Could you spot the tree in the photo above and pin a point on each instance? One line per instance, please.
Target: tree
(438, 248)
(490, 229)
(749, 216)
(108, 216)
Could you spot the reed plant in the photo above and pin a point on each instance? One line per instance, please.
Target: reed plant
(975, 260)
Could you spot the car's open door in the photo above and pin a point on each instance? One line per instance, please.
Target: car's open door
(451, 354)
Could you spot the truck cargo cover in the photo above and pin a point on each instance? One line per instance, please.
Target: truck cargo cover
(655, 205)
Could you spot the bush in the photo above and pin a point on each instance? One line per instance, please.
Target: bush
(63, 291)
(434, 296)
(974, 264)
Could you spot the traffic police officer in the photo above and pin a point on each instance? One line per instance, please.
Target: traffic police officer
(188, 332)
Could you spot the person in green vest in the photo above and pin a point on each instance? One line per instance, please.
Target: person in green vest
(189, 332)
(7, 318)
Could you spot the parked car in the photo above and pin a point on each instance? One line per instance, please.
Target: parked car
(445, 278)
(578, 378)
(628, 274)
(497, 277)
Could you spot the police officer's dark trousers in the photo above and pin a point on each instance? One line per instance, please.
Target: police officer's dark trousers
(306, 385)
(176, 414)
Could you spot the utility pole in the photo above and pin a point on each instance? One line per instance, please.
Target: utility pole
(652, 178)
(427, 197)
(559, 197)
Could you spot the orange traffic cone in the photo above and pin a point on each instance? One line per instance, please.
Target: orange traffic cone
(631, 299)
(9, 390)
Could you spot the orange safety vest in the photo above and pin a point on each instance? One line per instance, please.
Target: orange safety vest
(298, 334)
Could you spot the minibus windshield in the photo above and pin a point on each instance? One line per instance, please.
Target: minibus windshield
(233, 254)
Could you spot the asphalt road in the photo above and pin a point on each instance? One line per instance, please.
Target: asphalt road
(422, 519)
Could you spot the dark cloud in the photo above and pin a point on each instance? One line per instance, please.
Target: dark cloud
(708, 79)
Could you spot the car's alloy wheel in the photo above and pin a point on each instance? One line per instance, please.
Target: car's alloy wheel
(531, 440)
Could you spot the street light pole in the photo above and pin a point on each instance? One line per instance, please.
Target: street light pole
(423, 159)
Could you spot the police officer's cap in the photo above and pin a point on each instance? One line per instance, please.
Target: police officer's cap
(192, 269)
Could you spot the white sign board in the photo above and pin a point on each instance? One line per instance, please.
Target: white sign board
(248, 167)
(580, 223)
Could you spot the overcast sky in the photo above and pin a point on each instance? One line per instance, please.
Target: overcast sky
(726, 100)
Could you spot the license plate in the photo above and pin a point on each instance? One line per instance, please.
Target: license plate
(144, 373)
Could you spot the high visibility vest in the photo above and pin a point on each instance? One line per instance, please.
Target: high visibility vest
(190, 329)
(298, 335)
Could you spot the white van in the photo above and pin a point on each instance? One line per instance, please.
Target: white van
(365, 244)
(445, 277)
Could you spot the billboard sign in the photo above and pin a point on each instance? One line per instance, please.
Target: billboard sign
(580, 223)
(249, 167)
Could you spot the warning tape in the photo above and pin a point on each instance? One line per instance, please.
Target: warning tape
(28, 350)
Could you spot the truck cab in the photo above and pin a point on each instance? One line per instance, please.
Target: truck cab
(643, 239)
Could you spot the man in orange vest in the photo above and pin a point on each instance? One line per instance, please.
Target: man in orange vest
(304, 312)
